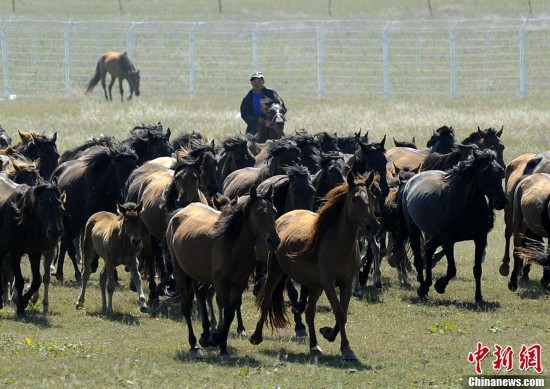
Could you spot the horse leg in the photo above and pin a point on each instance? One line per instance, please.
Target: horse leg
(480, 245)
(61, 259)
(113, 78)
(103, 84)
(269, 298)
(545, 280)
(3, 283)
(111, 285)
(36, 280)
(240, 323)
(72, 251)
(442, 282)
(299, 327)
(259, 275)
(232, 300)
(48, 258)
(103, 286)
(414, 239)
(183, 284)
(136, 277)
(202, 294)
(120, 88)
(87, 260)
(313, 297)
(504, 268)
(375, 249)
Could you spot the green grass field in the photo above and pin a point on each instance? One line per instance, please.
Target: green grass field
(400, 341)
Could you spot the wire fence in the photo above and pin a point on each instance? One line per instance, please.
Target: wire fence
(306, 58)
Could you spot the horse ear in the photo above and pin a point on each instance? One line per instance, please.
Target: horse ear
(252, 193)
(213, 144)
(54, 137)
(383, 141)
(139, 207)
(120, 208)
(198, 161)
(269, 193)
(234, 201)
(416, 169)
(350, 178)
(500, 132)
(414, 140)
(358, 134)
(63, 199)
(168, 133)
(370, 178)
(479, 132)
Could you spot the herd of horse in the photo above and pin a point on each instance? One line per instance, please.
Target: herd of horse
(304, 213)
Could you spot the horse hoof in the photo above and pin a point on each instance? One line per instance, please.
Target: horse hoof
(349, 356)
(223, 352)
(316, 350)
(440, 286)
(504, 269)
(241, 332)
(378, 285)
(79, 305)
(204, 341)
(512, 286)
(143, 309)
(195, 353)
(256, 339)
(543, 282)
(45, 309)
(301, 333)
(328, 333)
(479, 299)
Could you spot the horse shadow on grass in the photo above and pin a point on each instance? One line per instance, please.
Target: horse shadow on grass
(485, 306)
(33, 317)
(284, 356)
(211, 355)
(119, 317)
(531, 290)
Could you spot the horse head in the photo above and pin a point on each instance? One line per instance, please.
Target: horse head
(489, 175)
(263, 215)
(48, 203)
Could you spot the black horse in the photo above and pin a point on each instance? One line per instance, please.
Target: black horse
(451, 207)
(30, 223)
(35, 146)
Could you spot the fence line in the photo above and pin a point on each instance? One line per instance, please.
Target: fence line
(374, 58)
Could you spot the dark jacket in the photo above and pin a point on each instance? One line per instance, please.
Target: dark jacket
(247, 110)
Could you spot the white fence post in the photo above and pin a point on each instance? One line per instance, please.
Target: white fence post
(255, 62)
(522, 84)
(5, 62)
(192, 54)
(386, 59)
(320, 61)
(68, 58)
(453, 60)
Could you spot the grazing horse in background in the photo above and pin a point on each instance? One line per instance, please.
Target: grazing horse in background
(217, 248)
(116, 239)
(487, 139)
(234, 155)
(92, 183)
(118, 65)
(282, 153)
(320, 251)
(520, 167)
(30, 223)
(451, 207)
(35, 146)
(531, 220)
(274, 125)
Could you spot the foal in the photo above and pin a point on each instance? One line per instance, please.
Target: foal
(116, 239)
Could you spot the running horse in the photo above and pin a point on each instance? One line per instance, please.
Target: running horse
(274, 125)
(321, 252)
(118, 65)
(216, 248)
(450, 207)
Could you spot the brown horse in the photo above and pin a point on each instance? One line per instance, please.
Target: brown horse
(320, 251)
(531, 219)
(116, 239)
(217, 248)
(521, 166)
(118, 65)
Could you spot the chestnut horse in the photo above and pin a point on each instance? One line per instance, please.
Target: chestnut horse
(116, 239)
(209, 247)
(320, 251)
(531, 220)
(118, 65)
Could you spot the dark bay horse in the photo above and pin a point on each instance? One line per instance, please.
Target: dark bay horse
(75, 152)
(217, 248)
(30, 223)
(35, 146)
(531, 220)
(233, 155)
(451, 207)
(274, 125)
(487, 139)
(320, 251)
(118, 65)
(116, 238)
(282, 153)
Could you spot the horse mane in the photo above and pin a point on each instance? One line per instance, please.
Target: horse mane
(465, 167)
(303, 138)
(326, 158)
(280, 147)
(296, 171)
(145, 130)
(195, 148)
(437, 161)
(27, 144)
(235, 141)
(104, 155)
(327, 215)
(266, 103)
(125, 64)
(231, 218)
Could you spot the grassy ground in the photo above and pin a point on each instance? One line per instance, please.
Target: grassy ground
(400, 341)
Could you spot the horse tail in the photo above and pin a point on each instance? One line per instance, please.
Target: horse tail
(87, 246)
(97, 76)
(533, 251)
(277, 314)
